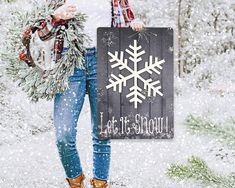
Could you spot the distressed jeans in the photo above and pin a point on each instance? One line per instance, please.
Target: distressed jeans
(67, 108)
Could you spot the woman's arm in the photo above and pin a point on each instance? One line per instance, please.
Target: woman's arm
(135, 23)
(59, 17)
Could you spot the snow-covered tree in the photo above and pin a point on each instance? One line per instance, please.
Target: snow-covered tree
(206, 29)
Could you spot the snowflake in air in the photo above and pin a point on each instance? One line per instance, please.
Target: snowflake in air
(108, 38)
(154, 65)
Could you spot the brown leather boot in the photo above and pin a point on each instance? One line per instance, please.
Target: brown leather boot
(98, 183)
(76, 182)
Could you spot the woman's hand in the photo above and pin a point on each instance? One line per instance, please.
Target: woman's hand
(137, 26)
(65, 12)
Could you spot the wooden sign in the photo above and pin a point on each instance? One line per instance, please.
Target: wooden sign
(135, 83)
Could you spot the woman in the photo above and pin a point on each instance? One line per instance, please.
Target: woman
(68, 105)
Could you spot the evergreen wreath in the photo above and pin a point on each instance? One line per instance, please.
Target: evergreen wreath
(37, 82)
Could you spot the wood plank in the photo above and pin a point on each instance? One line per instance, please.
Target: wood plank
(117, 105)
(168, 80)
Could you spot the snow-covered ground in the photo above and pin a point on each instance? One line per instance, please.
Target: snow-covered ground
(29, 158)
(33, 161)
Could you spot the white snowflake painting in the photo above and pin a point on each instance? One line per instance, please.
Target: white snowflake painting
(153, 65)
(136, 77)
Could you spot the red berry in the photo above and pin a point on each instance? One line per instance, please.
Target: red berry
(23, 56)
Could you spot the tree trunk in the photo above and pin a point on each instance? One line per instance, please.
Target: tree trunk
(179, 34)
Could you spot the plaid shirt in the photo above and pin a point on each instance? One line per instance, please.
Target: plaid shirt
(122, 16)
(122, 13)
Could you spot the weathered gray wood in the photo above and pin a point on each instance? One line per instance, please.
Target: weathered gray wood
(102, 74)
(115, 97)
(168, 79)
(114, 104)
(156, 50)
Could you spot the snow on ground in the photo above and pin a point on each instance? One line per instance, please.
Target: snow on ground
(18, 115)
(33, 161)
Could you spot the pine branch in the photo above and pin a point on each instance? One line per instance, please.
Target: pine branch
(224, 134)
(36, 82)
(196, 169)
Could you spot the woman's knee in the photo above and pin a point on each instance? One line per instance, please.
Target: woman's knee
(65, 140)
(101, 143)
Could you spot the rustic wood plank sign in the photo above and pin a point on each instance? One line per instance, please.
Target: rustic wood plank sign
(135, 83)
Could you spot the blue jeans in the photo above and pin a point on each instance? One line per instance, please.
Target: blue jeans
(67, 108)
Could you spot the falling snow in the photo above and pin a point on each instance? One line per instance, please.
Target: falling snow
(109, 38)
(28, 155)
